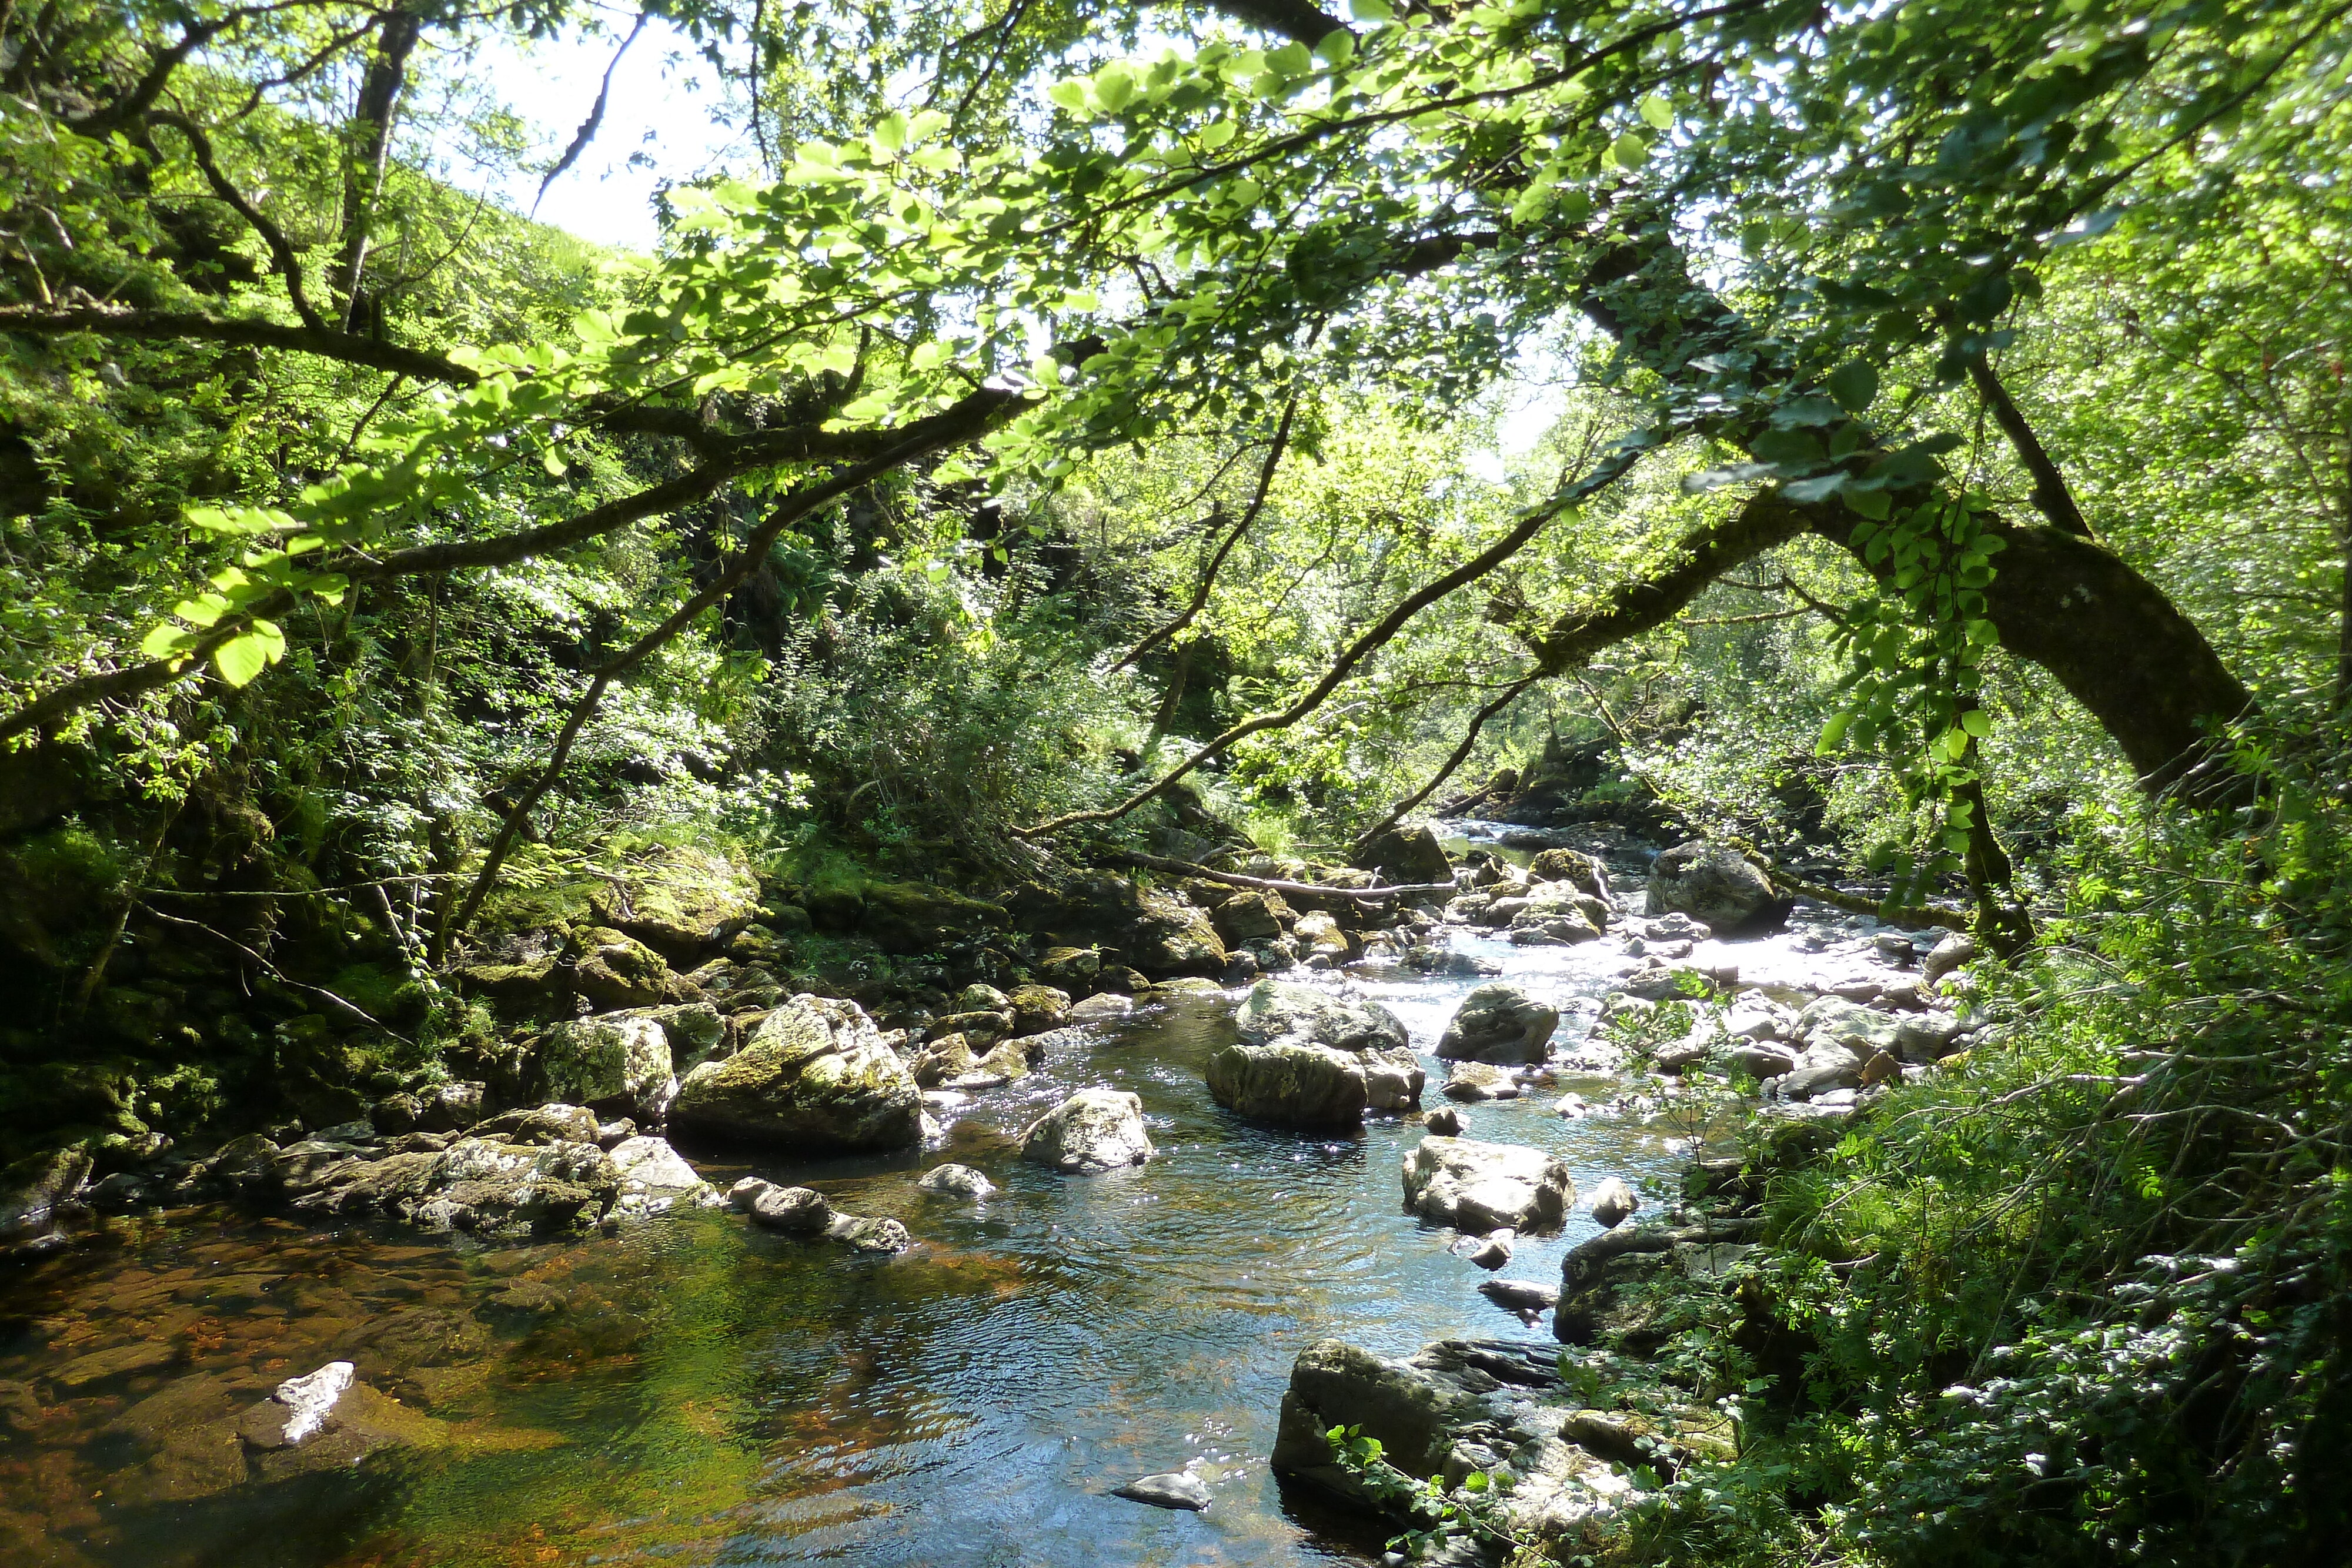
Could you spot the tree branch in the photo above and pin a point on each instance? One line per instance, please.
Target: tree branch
(1461, 754)
(2052, 497)
(1267, 885)
(966, 420)
(1609, 471)
(285, 260)
(1209, 577)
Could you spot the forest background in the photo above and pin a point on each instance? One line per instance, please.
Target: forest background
(1064, 428)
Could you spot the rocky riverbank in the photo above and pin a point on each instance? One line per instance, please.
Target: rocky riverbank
(1562, 1434)
(594, 1120)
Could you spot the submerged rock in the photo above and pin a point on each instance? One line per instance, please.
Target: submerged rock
(324, 1420)
(1494, 1250)
(1479, 1186)
(1499, 1022)
(957, 1181)
(805, 1212)
(1520, 1295)
(1093, 1130)
(815, 1077)
(1479, 1081)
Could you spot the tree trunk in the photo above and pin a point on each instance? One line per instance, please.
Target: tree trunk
(370, 151)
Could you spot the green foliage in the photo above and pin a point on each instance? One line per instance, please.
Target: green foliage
(1471, 1508)
(2081, 1297)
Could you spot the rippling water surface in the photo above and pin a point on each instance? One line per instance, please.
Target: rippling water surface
(691, 1391)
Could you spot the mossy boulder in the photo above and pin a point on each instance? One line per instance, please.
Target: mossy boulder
(816, 1078)
(682, 901)
(619, 1066)
(616, 970)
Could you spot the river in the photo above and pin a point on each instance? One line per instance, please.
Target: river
(690, 1391)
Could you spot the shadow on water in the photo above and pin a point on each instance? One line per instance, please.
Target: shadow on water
(690, 1391)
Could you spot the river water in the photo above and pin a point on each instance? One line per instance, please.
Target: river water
(692, 1391)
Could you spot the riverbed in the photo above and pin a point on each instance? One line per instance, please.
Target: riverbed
(689, 1390)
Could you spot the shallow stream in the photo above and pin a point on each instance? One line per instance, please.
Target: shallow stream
(692, 1391)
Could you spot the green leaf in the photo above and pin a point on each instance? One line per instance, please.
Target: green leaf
(1657, 112)
(1070, 95)
(1869, 503)
(1629, 152)
(241, 658)
(1115, 87)
(164, 640)
(1977, 722)
(1855, 385)
(1833, 732)
(1292, 59)
(1216, 133)
(1372, 10)
(1337, 48)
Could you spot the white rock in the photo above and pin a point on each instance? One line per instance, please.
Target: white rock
(312, 1397)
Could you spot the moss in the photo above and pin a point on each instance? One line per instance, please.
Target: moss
(58, 891)
(392, 996)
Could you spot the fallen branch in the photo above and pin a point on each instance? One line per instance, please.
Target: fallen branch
(1270, 885)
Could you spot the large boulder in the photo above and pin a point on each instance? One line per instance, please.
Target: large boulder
(1458, 1406)
(1093, 1130)
(1334, 1384)
(680, 901)
(654, 1178)
(619, 1065)
(1037, 1008)
(523, 1174)
(1712, 883)
(38, 1198)
(1407, 855)
(1579, 871)
(1499, 1022)
(1280, 1011)
(1296, 1085)
(1159, 933)
(1477, 1186)
(1309, 1059)
(815, 1078)
(1249, 916)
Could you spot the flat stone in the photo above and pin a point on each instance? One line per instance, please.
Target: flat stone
(1176, 1489)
